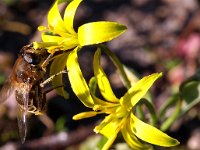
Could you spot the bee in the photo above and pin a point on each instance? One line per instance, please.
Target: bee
(24, 82)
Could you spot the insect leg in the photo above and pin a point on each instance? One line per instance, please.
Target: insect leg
(46, 61)
(52, 77)
(52, 88)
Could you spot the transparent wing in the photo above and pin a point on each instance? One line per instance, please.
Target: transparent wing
(6, 91)
(22, 98)
(22, 124)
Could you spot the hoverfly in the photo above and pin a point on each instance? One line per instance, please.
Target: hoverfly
(25, 79)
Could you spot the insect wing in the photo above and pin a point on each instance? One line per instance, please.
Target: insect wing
(22, 97)
(6, 91)
(22, 125)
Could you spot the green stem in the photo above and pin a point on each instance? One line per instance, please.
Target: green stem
(151, 109)
(118, 64)
(139, 112)
(171, 101)
(166, 125)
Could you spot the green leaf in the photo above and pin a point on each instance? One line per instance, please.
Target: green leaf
(102, 142)
(170, 102)
(131, 74)
(138, 91)
(109, 142)
(64, 1)
(150, 134)
(78, 83)
(58, 65)
(93, 85)
(189, 91)
(103, 82)
(98, 32)
(190, 95)
(60, 124)
(91, 143)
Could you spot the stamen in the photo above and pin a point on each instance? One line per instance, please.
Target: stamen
(84, 115)
(42, 28)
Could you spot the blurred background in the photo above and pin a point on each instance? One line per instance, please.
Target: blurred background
(162, 36)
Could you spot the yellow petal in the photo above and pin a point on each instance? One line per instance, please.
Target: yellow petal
(65, 34)
(130, 138)
(93, 86)
(98, 32)
(65, 43)
(69, 15)
(109, 126)
(98, 101)
(69, 43)
(51, 38)
(78, 83)
(109, 142)
(136, 92)
(103, 83)
(37, 45)
(132, 141)
(58, 65)
(151, 134)
(54, 19)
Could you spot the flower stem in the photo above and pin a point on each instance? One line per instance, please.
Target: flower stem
(151, 109)
(118, 64)
(170, 102)
(139, 112)
(166, 125)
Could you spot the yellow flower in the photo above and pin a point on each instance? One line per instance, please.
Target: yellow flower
(60, 35)
(120, 116)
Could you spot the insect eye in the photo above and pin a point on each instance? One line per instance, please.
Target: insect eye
(31, 58)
